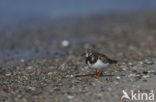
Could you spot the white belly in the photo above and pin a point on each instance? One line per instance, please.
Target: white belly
(99, 64)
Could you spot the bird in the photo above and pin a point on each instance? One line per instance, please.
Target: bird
(97, 60)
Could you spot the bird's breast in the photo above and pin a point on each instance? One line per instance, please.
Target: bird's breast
(98, 64)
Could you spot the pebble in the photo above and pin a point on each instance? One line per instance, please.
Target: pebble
(134, 71)
(131, 75)
(145, 72)
(130, 63)
(69, 76)
(50, 73)
(118, 78)
(150, 63)
(152, 91)
(51, 67)
(146, 76)
(140, 62)
(135, 76)
(134, 79)
(109, 89)
(29, 67)
(124, 68)
(154, 73)
(70, 97)
(116, 82)
(7, 74)
(65, 43)
(31, 88)
(145, 80)
(93, 84)
(99, 96)
(22, 60)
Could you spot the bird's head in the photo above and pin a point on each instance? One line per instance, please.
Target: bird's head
(87, 52)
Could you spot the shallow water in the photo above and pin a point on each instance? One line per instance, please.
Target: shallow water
(11, 12)
(30, 15)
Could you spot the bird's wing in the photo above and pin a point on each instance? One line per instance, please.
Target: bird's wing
(103, 58)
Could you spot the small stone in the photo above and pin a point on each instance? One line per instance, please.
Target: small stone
(146, 76)
(50, 73)
(131, 75)
(51, 67)
(116, 82)
(154, 73)
(140, 62)
(130, 63)
(65, 43)
(22, 60)
(7, 74)
(118, 78)
(99, 96)
(145, 72)
(109, 89)
(124, 68)
(152, 91)
(144, 80)
(31, 88)
(30, 69)
(134, 71)
(93, 84)
(134, 79)
(69, 76)
(150, 63)
(70, 97)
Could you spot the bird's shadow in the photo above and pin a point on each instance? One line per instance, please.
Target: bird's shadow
(102, 75)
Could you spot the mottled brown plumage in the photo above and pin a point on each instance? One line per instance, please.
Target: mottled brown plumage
(97, 60)
(93, 56)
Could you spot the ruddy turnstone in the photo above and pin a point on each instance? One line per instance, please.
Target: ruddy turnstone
(97, 60)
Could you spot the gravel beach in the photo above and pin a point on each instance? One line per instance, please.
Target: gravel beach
(44, 64)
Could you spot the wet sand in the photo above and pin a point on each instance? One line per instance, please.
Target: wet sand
(44, 64)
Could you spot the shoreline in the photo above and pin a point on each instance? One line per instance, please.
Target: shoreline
(131, 40)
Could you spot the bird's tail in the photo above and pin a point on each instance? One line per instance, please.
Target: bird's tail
(113, 61)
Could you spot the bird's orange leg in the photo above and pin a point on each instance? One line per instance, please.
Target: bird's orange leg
(97, 75)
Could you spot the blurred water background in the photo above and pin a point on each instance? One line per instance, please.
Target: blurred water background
(30, 28)
(14, 11)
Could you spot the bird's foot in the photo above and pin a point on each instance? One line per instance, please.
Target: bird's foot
(97, 75)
